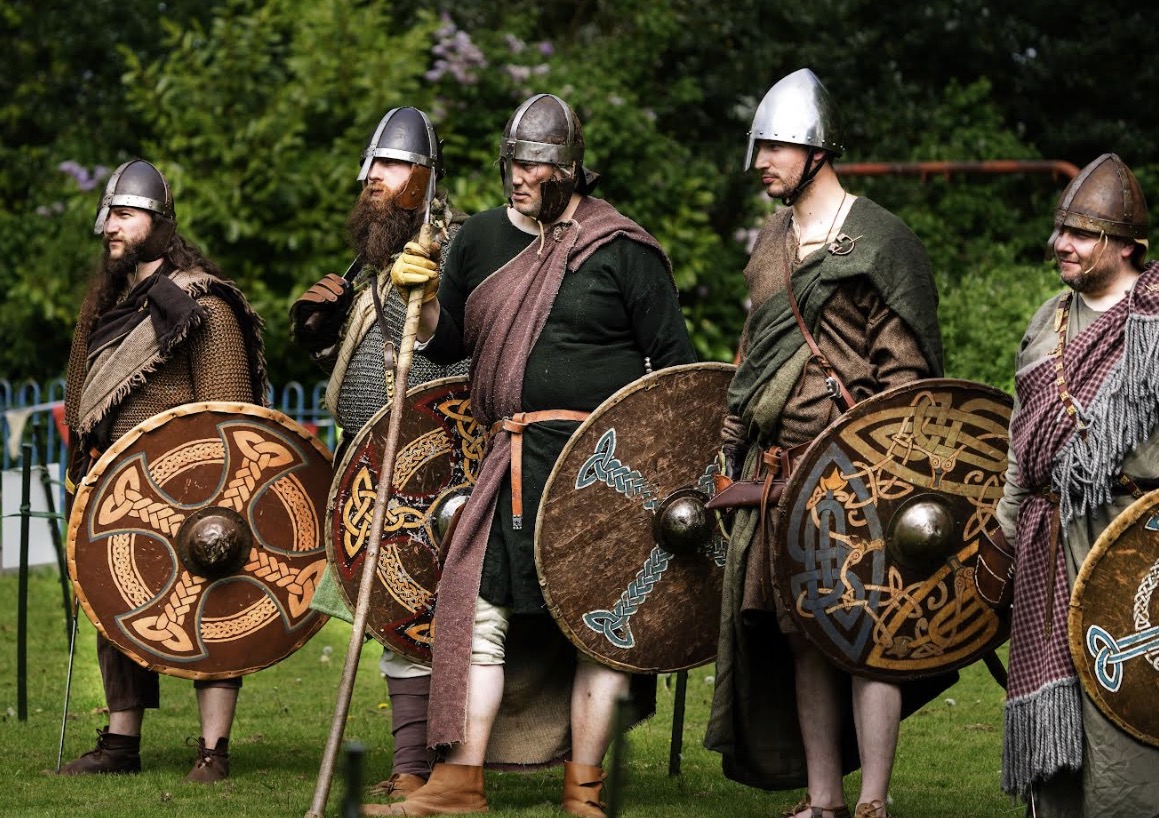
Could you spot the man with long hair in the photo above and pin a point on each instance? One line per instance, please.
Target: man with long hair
(160, 327)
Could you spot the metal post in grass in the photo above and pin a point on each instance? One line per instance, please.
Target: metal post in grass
(676, 746)
(22, 592)
(616, 771)
(352, 800)
(53, 524)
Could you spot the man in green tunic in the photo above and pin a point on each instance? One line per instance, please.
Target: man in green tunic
(863, 285)
(1084, 443)
(559, 301)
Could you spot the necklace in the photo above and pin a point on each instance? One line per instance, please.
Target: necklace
(828, 233)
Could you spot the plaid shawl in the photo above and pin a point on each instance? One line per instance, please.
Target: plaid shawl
(1111, 373)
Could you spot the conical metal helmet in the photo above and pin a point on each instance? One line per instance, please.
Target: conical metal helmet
(545, 129)
(406, 135)
(139, 184)
(1104, 198)
(799, 111)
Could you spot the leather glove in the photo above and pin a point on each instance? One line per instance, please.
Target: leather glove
(734, 445)
(413, 268)
(316, 318)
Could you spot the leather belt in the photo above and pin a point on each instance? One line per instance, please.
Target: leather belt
(514, 426)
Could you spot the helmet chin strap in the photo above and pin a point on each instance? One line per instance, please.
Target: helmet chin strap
(811, 171)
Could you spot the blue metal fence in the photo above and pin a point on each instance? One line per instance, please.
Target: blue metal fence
(27, 416)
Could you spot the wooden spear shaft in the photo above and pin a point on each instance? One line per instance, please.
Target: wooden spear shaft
(370, 558)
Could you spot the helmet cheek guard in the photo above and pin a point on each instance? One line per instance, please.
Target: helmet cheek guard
(407, 135)
(545, 130)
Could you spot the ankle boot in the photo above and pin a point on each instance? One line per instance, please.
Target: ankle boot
(212, 764)
(113, 754)
(581, 790)
(453, 789)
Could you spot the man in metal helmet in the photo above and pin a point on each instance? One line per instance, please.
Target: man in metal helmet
(1084, 443)
(352, 326)
(546, 348)
(160, 327)
(843, 306)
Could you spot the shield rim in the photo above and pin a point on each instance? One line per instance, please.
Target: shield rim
(640, 384)
(339, 472)
(858, 411)
(1147, 504)
(108, 458)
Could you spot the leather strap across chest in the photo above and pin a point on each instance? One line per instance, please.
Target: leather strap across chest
(515, 425)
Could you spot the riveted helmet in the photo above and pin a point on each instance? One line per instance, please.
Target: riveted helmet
(407, 135)
(545, 129)
(138, 184)
(1104, 198)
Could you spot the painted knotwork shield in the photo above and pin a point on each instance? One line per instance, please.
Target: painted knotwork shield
(439, 451)
(877, 531)
(1114, 620)
(630, 562)
(196, 541)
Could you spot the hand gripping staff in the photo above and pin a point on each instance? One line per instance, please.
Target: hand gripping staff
(370, 563)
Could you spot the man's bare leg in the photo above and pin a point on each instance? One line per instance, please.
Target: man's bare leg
(126, 722)
(594, 694)
(485, 692)
(217, 706)
(819, 708)
(876, 714)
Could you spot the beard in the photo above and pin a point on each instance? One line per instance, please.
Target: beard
(1097, 271)
(378, 228)
(118, 270)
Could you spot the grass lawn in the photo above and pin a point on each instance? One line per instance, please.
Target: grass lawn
(947, 765)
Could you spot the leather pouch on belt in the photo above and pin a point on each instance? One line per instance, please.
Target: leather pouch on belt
(745, 494)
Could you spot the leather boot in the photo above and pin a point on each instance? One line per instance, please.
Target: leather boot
(581, 790)
(212, 763)
(453, 789)
(113, 754)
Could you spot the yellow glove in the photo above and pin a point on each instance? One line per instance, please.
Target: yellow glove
(414, 268)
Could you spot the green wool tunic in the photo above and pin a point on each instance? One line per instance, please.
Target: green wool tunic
(613, 312)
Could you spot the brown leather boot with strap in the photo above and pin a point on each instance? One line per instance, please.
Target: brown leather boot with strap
(453, 789)
(113, 754)
(839, 811)
(582, 785)
(212, 763)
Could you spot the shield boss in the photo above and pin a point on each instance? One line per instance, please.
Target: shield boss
(195, 542)
(1114, 620)
(439, 451)
(630, 563)
(877, 531)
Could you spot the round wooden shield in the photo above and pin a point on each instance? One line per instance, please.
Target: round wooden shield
(195, 542)
(439, 451)
(630, 562)
(878, 530)
(1114, 620)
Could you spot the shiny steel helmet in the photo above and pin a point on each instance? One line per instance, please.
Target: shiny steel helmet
(799, 111)
(545, 129)
(1104, 198)
(406, 134)
(138, 184)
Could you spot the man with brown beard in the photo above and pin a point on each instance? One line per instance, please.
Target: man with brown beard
(160, 327)
(345, 326)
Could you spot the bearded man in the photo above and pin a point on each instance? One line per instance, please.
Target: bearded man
(346, 327)
(1084, 444)
(160, 327)
(843, 307)
(560, 301)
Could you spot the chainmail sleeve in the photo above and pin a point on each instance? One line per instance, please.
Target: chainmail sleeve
(218, 358)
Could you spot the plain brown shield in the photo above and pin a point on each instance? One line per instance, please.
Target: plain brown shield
(630, 562)
(877, 531)
(195, 542)
(440, 449)
(1114, 620)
